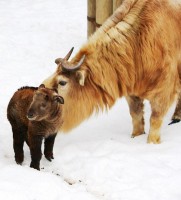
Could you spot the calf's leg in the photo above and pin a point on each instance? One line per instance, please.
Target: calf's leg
(48, 150)
(136, 107)
(18, 142)
(35, 142)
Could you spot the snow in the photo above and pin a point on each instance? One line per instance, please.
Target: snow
(96, 161)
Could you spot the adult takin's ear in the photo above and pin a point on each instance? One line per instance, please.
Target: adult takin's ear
(81, 76)
(59, 99)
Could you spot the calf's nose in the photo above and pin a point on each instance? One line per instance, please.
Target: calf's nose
(30, 114)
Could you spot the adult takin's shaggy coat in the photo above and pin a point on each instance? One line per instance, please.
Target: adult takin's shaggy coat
(137, 54)
(34, 114)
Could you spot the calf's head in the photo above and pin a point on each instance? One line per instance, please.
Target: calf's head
(45, 102)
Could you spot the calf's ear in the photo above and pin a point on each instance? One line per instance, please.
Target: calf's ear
(42, 86)
(81, 76)
(56, 90)
(59, 99)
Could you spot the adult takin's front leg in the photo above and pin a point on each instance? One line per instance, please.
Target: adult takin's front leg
(136, 107)
(48, 150)
(159, 107)
(177, 114)
(35, 142)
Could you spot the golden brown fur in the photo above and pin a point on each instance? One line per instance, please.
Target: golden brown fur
(136, 53)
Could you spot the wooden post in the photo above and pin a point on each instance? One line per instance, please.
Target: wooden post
(91, 17)
(104, 9)
(116, 4)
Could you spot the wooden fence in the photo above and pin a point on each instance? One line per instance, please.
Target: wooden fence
(98, 11)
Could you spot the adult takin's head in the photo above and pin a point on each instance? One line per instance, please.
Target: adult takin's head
(80, 82)
(46, 103)
(68, 76)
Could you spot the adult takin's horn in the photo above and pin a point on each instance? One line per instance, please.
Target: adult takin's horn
(59, 60)
(69, 54)
(71, 67)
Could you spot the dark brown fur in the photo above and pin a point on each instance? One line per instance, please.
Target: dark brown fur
(34, 114)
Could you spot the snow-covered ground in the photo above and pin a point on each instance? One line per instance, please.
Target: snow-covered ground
(96, 161)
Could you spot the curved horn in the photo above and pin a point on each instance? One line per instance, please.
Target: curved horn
(69, 67)
(69, 54)
(59, 60)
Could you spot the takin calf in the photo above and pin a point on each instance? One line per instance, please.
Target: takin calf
(34, 114)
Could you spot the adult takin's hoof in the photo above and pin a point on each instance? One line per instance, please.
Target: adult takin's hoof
(137, 134)
(174, 121)
(154, 139)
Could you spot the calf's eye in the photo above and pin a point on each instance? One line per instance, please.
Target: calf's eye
(62, 83)
(43, 105)
(46, 97)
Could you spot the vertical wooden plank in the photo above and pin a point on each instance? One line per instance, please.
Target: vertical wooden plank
(91, 17)
(116, 4)
(104, 9)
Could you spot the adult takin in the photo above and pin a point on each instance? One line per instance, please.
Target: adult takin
(136, 53)
(34, 114)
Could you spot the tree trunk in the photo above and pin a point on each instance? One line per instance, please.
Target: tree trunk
(104, 9)
(91, 17)
(116, 4)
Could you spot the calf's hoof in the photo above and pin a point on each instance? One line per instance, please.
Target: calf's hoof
(35, 165)
(19, 159)
(49, 156)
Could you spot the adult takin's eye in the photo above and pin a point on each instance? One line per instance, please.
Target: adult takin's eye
(62, 83)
